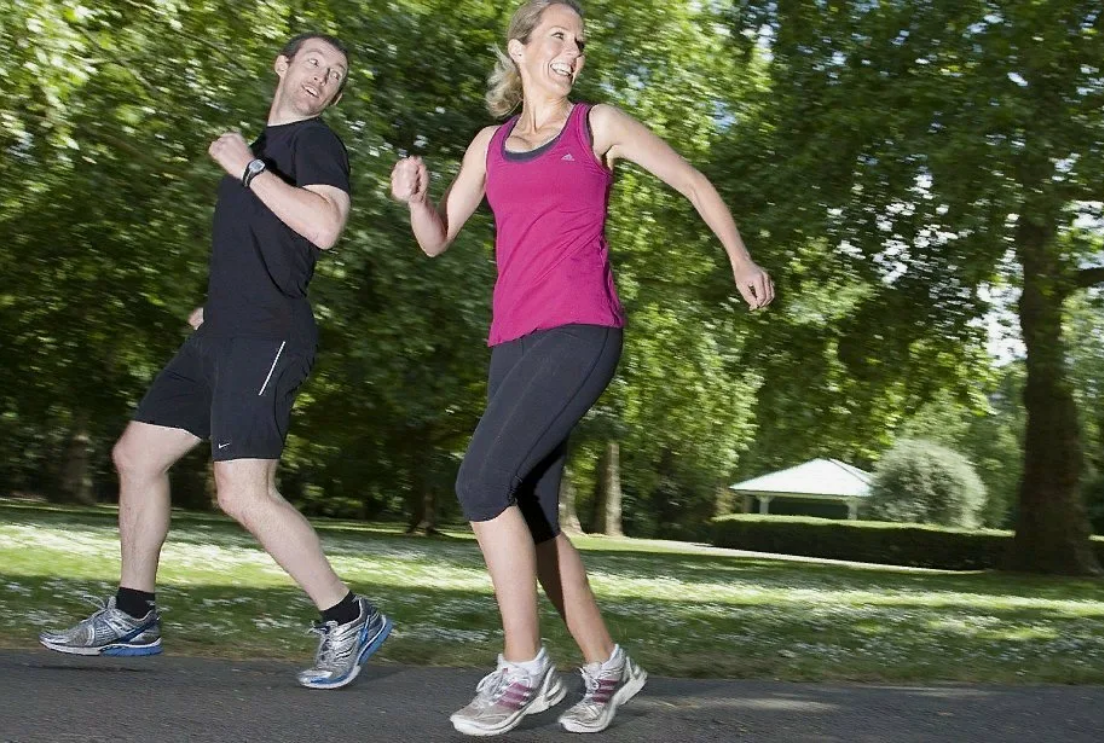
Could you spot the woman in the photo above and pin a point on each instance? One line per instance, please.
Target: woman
(556, 340)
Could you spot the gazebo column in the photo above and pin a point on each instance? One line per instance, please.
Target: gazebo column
(764, 503)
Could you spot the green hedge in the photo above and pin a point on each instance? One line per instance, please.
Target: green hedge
(869, 541)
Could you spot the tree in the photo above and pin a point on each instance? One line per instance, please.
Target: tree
(107, 193)
(988, 432)
(1085, 324)
(607, 501)
(933, 146)
(569, 515)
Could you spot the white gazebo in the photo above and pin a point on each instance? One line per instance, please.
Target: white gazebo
(818, 480)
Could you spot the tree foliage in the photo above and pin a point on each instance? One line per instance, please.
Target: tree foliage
(887, 162)
(935, 147)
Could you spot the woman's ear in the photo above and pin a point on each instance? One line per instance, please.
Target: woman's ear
(516, 50)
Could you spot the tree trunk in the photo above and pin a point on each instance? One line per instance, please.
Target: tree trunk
(597, 523)
(724, 500)
(422, 498)
(75, 481)
(189, 482)
(1052, 527)
(569, 517)
(608, 505)
(211, 486)
(424, 516)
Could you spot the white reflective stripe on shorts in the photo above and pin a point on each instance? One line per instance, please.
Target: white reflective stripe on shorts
(272, 368)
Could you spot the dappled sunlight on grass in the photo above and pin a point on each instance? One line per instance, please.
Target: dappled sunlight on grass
(695, 612)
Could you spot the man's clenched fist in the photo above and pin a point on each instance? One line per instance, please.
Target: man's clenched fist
(232, 152)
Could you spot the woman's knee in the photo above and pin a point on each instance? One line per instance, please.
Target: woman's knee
(483, 493)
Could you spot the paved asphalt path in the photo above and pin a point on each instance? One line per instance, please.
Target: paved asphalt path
(51, 698)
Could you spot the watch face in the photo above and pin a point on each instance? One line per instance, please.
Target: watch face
(256, 166)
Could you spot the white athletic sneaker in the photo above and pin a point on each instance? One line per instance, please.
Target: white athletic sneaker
(506, 695)
(608, 686)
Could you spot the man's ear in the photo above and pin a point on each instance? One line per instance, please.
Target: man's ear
(281, 65)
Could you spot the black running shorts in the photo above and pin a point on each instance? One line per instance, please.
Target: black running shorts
(238, 392)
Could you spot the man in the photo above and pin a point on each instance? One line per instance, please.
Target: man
(235, 379)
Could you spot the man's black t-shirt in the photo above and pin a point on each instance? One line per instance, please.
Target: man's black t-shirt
(260, 267)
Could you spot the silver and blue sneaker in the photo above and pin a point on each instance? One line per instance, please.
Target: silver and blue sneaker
(109, 631)
(344, 648)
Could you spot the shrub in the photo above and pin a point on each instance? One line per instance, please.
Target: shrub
(869, 541)
(924, 483)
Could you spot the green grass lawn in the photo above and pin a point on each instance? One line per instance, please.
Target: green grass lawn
(681, 610)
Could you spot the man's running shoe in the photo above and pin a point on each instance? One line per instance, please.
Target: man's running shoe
(344, 648)
(109, 631)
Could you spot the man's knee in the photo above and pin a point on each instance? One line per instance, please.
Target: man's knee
(132, 459)
(232, 502)
(234, 498)
(239, 486)
(146, 450)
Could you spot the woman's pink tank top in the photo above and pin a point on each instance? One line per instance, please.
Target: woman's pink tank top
(550, 245)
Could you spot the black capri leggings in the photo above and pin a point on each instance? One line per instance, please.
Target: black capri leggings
(539, 387)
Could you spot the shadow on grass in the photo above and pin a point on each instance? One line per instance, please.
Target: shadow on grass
(783, 639)
(49, 514)
(620, 559)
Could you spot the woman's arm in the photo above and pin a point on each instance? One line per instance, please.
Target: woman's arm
(436, 227)
(618, 136)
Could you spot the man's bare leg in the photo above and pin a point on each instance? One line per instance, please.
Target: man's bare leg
(353, 629)
(128, 624)
(143, 456)
(247, 493)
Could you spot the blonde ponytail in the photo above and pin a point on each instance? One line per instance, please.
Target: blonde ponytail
(504, 94)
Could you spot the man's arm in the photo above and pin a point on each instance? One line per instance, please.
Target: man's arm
(317, 212)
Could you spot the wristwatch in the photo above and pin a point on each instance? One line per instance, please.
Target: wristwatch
(255, 167)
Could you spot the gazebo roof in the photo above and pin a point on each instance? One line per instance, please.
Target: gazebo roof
(817, 477)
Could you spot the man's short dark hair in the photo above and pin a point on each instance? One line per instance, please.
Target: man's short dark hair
(292, 46)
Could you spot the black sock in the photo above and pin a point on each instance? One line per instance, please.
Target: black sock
(135, 603)
(344, 611)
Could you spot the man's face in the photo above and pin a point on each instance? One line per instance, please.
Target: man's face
(311, 81)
